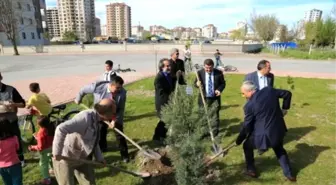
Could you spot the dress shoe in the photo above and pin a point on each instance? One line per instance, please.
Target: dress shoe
(251, 173)
(291, 178)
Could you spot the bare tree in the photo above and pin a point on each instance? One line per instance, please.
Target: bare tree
(8, 22)
(265, 26)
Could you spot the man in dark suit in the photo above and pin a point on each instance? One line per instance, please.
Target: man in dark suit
(264, 125)
(177, 66)
(164, 86)
(262, 77)
(213, 84)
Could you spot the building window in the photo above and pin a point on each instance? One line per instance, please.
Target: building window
(21, 21)
(28, 7)
(33, 35)
(19, 5)
(23, 35)
(39, 35)
(30, 21)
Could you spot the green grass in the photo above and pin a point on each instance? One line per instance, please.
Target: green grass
(310, 141)
(315, 54)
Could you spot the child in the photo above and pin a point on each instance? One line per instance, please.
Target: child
(44, 138)
(39, 101)
(10, 166)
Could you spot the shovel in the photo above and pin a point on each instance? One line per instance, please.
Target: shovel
(149, 153)
(144, 175)
(223, 152)
(216, 149)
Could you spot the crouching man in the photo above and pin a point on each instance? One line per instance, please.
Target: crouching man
(78, 138)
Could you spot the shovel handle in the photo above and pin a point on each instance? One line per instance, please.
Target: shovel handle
(205, 108)
(119, 132)
(222, 152)
(98, 164)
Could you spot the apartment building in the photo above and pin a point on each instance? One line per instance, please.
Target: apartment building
(209, 31)
(97, 26)
(157, 29)
(118, 20)
(137, 31)
(313, 15)
(198, 32)
(28, 29)
(77, 16)
(53, 23)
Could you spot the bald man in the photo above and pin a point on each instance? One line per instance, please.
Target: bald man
(78, 139)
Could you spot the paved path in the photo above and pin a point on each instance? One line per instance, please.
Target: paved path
(61, 76)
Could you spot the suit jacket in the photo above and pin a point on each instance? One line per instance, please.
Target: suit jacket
(163, 89)
(176, 66)
(264, 120)
(219, 82)
(253, 77)
(100, 91)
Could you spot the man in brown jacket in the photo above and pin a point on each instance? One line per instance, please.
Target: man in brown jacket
(78, 139)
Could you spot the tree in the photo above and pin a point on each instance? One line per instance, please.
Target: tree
(323, 32)
(265, 26)
(90, 30)
(69, 36)
(8, 22)
(283, 34)
(186, 123)
(47, 36)
(146, 35)
(239, 34)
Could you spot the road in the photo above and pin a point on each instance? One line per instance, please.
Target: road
(16, 68)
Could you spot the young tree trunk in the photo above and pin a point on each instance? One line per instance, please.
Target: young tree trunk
(16, 52)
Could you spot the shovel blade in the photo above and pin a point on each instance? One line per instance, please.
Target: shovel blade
(151, 154)
(216, 149)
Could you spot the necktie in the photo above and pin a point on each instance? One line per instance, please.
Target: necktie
(210, 91)
(106, 76)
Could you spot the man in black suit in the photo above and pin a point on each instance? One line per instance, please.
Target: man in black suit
(213, 84)
(164, 86)
(177, 66)
(263, 76)
(264, 125)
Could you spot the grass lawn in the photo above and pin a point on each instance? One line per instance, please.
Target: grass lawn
(310, 141)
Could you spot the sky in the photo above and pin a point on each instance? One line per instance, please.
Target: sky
(224, 14)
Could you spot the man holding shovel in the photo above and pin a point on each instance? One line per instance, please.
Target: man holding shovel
(78, 139)
(213, 83)
(111, 90)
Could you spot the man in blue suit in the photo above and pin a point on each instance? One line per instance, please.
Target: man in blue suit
(263, 76)
(264, 125)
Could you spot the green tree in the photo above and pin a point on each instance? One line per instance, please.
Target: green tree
(283, 35)
(186, 123)
(265, 26)
(47, 36)
(326, 32)
(69, 36)
(239, 34)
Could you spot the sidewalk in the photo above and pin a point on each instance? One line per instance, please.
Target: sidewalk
(62, 89)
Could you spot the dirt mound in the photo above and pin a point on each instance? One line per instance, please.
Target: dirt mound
(162, 170)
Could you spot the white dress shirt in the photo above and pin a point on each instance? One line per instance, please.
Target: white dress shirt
(207, 84)
(107, 75)
(262, 81)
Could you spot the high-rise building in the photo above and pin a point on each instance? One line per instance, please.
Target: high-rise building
(97, 25)
(313, 15)
(103, 30)
(77, 16)
(29, 30)
(40, 17)
(53, 23)
(118, 20)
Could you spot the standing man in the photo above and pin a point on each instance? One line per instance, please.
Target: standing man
(111, 90)
(263, 76)
(108, 71)
(10, 101)
(213, 83)
(78, 139)
(187, 58)
(177, 66)
(164, 86)
(264, 125)
(217, 57)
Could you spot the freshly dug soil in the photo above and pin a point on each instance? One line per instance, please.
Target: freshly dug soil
(162, 170)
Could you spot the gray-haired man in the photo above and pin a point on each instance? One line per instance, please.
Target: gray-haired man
(177, 66)
(111, 90)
